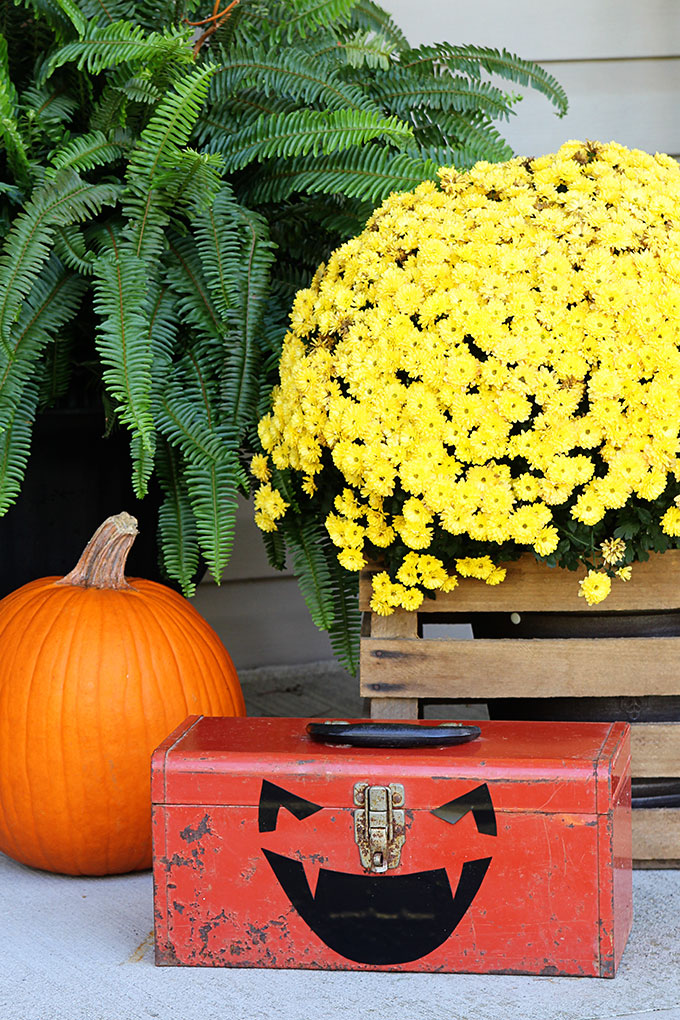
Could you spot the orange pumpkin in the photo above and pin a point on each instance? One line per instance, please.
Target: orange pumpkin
(95, 671)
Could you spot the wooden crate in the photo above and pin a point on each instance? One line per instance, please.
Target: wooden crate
(399, 668)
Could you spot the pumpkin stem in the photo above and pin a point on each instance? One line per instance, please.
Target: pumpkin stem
(102, 564)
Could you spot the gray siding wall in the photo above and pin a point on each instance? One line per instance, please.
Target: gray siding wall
(619, 62)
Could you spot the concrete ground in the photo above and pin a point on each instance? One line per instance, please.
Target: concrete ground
(82, 948)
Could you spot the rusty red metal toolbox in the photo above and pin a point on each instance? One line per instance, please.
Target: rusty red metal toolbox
(509, 854)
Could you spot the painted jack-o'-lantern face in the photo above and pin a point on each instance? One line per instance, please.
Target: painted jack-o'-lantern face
(365, 917)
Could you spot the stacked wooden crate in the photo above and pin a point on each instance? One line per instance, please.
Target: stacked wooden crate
(399, 668)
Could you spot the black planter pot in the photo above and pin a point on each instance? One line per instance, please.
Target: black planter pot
(75, 479)
(659, 792)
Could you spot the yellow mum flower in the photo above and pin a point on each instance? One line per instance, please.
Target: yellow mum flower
(351, 559)
(449, 370)
(269, 502)
(588, 509)
(595, 587)
(475, 566)
(670, 522)
(259, 467)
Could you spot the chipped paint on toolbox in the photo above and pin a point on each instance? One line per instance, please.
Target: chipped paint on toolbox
(515, 859)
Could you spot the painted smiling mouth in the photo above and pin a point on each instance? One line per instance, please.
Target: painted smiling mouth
(378, 920)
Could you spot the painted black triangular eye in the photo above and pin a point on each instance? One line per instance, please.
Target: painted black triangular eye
(479, 802)
(274, 797)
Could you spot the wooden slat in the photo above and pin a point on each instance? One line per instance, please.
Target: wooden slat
(655, 750)
(515, 668)
(394, 708)
(656, 834)
(398, 624)
(531, 586)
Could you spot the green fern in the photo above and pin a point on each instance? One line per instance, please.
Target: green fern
(9, 126)
(15, 445)
(74, 15)
(85, 152)
(370, 175)
(168, 191)
(176, 522)
(310, 131)
(53, 301)
(368, 49)
(470, 60)
(107, 46)
(285, 73)
(65, 200)
(305, 539)
(344, 632)
(303, 17)
(122, 338)
(368, 16)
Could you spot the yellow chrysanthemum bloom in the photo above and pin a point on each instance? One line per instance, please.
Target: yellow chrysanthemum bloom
(595, 587)
(491, 366)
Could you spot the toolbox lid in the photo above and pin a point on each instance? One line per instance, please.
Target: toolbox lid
(555, 767)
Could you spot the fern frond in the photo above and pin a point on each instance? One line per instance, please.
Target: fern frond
(470, 59)
(17, 155)
(217, 238)
(170, 128)
(70, 246)
(213, 493)
(138, 89)
(143, 462)
(236, 256)
(370, 17)
(460, 141)
(105, 46)
(84, 152)
(243, 108)
(345, 630)
(176, 524)
(74, 15)
(402, 90)
(310, 131)
(52, 302)
(192, 295)
(285, 73)
(163, 322)
(368, 49)
(48, 106)
(160, 145)
(57, 370)
(107, 11)
(122, 338)
(191, 180)
(300, 17)
(369, 174)
(275, 549)
(65, 200)
(15, 445)
(304, 538)
(50, 12)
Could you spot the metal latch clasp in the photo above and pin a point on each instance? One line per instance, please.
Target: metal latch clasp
(379, 825)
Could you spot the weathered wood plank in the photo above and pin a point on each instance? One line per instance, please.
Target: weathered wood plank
(531, 586)
(400, 624)
(655, 750)
(656, 834)
(394, 708)
(576, 667)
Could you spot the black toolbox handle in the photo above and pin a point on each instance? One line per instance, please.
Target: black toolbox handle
(391, 734)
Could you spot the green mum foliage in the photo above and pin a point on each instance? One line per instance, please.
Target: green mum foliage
(167, 183)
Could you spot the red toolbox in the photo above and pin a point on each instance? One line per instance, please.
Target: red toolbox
(508, 853)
